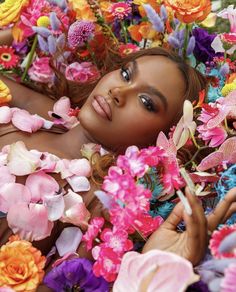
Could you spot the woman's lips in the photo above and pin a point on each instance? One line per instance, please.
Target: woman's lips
(102, 107)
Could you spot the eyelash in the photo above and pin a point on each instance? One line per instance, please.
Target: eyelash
(146, 100)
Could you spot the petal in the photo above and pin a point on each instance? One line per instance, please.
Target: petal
(217, 45)
(29, 221)
(183, 138)
(162, 141)
(20, 160)
(5, 114)
(41, 184)
(69, 240)
(210, 161)
(6, 176)
(26, 122)
(178, 131)
(71, 199)
(13, 193)
(79, 183)
(55, 206)
(80, 167)
(188, 112)
(62, 106)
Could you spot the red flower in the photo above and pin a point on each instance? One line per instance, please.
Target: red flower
(8, 59)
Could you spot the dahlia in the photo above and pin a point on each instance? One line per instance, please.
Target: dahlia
(80, 32)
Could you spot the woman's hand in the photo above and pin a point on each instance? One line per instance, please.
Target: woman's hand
(191, 244)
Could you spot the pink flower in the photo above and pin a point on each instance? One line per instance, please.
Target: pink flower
(126, 49)
(228, 283)
(226, 153)
(82, 72)
(120, 10)
(216, 136)
(107, 263)
(230, 14)
(94, 228)
(80, 32)
(40, 71)
(132, 162)
(169, 272)
(146, 225)
(217, 237)
(116, 239)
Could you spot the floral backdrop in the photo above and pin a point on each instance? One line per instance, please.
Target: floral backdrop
(72, 37)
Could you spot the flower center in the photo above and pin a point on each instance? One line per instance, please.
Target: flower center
(6, 57)
(120, 9)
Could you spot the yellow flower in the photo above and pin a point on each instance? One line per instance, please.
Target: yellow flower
(82, 10)
(5, 95)
(43, 21)
(228, 88)
(10, 11)
(21, 265)
(189, 11)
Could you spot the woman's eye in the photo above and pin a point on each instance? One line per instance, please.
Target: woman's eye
(148, 103)
(125, 74)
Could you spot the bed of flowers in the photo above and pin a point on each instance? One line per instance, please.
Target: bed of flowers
(72, 37)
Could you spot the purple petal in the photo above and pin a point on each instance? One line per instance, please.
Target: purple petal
(154, 18)
(43, 44)
(191, 45)
(174, 42)
(164, 15)
(52, 45)
(43, 31)
(54, 21)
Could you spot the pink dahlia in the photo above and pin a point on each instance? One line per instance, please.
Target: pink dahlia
(80, 32)
(120, 10)
(41, 71)
(217, 238)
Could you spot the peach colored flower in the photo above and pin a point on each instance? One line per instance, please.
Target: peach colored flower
(142, 30)
(21, 265)
(5, 95)
(189, 11)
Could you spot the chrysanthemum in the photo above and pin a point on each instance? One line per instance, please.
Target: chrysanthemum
(80, 32)
(120, 10)
(8, 59)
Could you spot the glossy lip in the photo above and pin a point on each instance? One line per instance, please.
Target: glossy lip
(102, 107)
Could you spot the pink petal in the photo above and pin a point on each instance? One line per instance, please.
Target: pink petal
(183, 138)
(5, 115)
(69, 240)
(41, 184)
(210, 161)
(29, 221)
(63, 168)
(20, 160)
(6, 176)
(215, 121)
(26, 122)
(71, 199)
(13, 193)
(162, 141)
(80, 167)
(55, 206)
(62, 106)
(79, 183)
(228, 147)
(77, 215)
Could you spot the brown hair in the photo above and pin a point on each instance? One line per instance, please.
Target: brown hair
(78, 93)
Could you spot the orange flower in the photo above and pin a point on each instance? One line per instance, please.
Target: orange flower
(105, 8)
(189, 11)
(21, 265)
(142, 30)
(82, 10)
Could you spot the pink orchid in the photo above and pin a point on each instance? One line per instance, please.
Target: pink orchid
(172, 272)
(107, 263)
(5, 115)
(226, 153)
(62, 108)
(75, 211)
(20, 160)
(94, 228)
(230, 14)
(82, 72)
(132, 162)
(216, 136)
(41, 71)
(166, 144)
(26, 122)
(69, 240)
(31, 223)
(185, 127)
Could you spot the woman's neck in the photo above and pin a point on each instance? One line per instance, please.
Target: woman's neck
(72, 141)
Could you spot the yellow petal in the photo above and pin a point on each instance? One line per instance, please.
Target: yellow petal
(210, 21)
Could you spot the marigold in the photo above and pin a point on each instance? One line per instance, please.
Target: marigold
(10, 11)
(189, 11)
(21, 265)
(5, 95)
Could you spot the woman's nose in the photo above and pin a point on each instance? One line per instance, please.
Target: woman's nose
(117, 94)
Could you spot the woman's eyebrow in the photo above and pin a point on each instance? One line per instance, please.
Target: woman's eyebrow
(150, 89)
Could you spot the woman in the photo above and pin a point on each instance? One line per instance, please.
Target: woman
(128, 106)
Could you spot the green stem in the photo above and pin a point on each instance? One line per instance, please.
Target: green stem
(31, 55)
(186, 37)
(124, 31)
(195, 155)
(194, 140)
(111, 33)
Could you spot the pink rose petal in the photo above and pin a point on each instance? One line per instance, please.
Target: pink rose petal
(6, 176)
(69, 240)
(5, 115)
(79, 183)
(55, 206)
(26, 122)
(80, 167)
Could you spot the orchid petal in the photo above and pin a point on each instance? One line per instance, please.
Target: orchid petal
(13, 193)
(210, 161)
(217, 45)
(29, 221)
(79, 183)
(187, 112)
(55, 206)
(183, 138)
(5, 115)
(20, 160)
(69, 240)
(41, 184)
(228, 148)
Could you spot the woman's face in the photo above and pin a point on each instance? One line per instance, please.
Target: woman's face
(130, 106)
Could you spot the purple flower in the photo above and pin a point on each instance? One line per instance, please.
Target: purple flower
(80, 32)
(203, 50)
(199, 286)
(75, 273)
